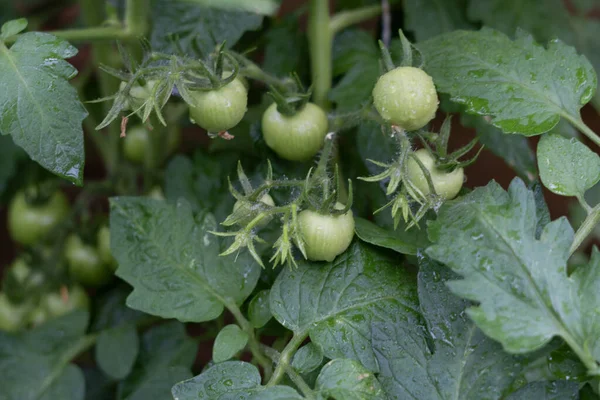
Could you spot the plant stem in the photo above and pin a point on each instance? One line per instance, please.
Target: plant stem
(253, 343)
(291, 373)
(136, 17)
(579, 124)
(320, 40)
(286, 357)
(100, 33)
(586, 228)
(344, 19)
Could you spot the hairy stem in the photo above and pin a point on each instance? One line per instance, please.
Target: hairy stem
(291, 373)
(286, 357)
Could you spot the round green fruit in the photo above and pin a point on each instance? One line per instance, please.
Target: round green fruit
(12, 316)
(57, 305)
(85, 264)
(446, 184)
(220, 109)
(266, 199)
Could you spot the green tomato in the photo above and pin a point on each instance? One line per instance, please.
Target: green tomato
(136, 144)
(12, 316)
(56, 305)
(24, 276)
(103, 244)
(446, 184)
(406, 97)
(266, 199)
(138, 94)
(85, 264)
(38, 316)
(298, 137)
(221, 109)
(30, 223)
(326, 236)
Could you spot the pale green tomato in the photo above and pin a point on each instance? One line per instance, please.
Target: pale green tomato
(85, 264)
(57, 305)
(266, 199)
(326, 236)
(103, 244)
(298, 137)
(12, 316)
(446, 184)
(221, 109)
(406, 97)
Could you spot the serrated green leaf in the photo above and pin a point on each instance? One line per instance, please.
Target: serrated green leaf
(461, 363)
(116, 350)
(513, 149)
(559, 390)
(429, 18)
(586, 33)
(230, 340)
(190, 22)
(308, 358)
(525, 295)
(523, 86)
(567, 166)
(259, 309)
(335, 303)
(344, 379)
(35, 364)
(38, 107)
(172, 260)
(12, 28)
(231, 379)
(266, 7)
(166, 356)
(400, 240)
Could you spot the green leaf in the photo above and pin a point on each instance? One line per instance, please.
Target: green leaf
(400, 240)
(513, 149)
(38, 107)
(266, 7)
(523, 86)
(12, 28)
(230, 340)
(166, 356)
(200, 181)
(10, 155)
(586, 33)
(111, 310)
(285, 48)
(208, 27)
(116, 350)
(567, 166)
(461, 363)
(335, 303)
(521, 283)
(308, 358)
(344, 379)
(35, 364)
(429, 18)
(559, 390)
(259, 310)
(172, 260)
(229, 380)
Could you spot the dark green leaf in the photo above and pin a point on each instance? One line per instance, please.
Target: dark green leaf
(525, 295)
(116, 350)
(267, 7)
(513, 149)
(461, 363)
(187, 22)
(230, 340)
(35, 364)
(567, 166)
(428, 18)
(285, 48)
(523, 86)
(344, 379)
(560, 390)
(10, 155)
(259, 310)
(166, 356)
(112, 311)
(308, 358)
(229, 380)
(38, 107)
(400, 240)
(335, 303)
(172, 260)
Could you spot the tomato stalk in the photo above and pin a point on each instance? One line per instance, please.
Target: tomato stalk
(283, 364)
(291, 373)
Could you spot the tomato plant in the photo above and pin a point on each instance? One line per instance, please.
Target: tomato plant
(300, 199)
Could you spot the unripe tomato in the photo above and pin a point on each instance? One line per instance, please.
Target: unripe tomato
(326, 236)
(85, 265)
(23, 274)
(37, 317)
(298, 137)
(56, 305)
(221, 109)
(446, 184)
(12, 316)
(266, 199)
(139, 94)
(136, 143)
(103, 242)
(30, 223)
(406, 97)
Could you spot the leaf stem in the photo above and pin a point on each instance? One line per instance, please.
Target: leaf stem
(579, 124)
(344, 19)
(286, 357)
(586, 228)
(253, 343)
(291, 373)
(320, 41)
